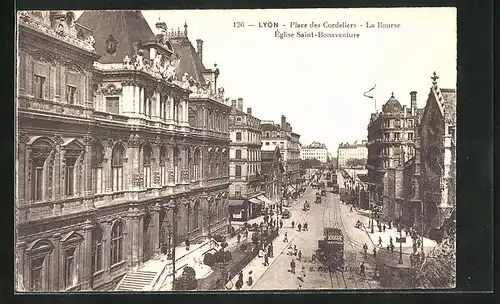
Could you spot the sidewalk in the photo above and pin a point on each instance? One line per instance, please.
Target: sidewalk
(257, 264)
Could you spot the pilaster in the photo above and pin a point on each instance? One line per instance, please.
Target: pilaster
(21, 281)
(155, 236)
(133, 220)
(55, 271)
(86, 268)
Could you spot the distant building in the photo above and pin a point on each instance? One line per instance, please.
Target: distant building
(281, 136)
(245, 163)
(272, 170)
(347, 151)
(315, 150)
(391, 135)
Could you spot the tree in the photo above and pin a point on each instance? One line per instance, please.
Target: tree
(356, 162)
(187, 280)
(309, 163)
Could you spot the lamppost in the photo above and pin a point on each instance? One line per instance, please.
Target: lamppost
(169, 247)
(370, 202)
(401, 238)
(172, 206)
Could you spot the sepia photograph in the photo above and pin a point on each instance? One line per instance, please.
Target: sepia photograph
(235, 150)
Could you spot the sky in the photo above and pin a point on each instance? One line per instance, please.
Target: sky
(318, 83)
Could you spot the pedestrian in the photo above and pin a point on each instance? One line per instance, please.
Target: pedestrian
(299, 227)
(303, 273)
(300, 255)
(292, 266)
(285, 240)
(374, 252)
(392, 247)
(266, 260)
(362, 269)
(305, 226)
(240, 276)
(383, 228)
(293, 224)
(365, 248)
(281, 224)
(295, 250)
(250, 280)
(289, 250)
(351, 209)
(238, 238)
(380, 241)
(390, 240)
(187, 244)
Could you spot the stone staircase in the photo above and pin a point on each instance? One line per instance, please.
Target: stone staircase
(136, 281)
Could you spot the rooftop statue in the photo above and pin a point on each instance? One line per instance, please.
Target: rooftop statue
(139, 60)
(90, 40)
(157, 63)
(126, 62)
(185, 81)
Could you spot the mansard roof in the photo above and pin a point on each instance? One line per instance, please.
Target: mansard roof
(449, 104)
(190, 62)
(128, 28)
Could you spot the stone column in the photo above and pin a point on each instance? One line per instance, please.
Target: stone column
(155, 166)
(106, 166)
(156, 105)
(133, 219)
(141, 101)
(135, 176)
(155, 233)
(106, 249)
(21, 277)
(170, 163)
(184, 164)
(86, 268)
(55, 270)
(88, 192)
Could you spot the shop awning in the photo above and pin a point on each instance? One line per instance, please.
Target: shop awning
(256, 201)
(236, 202)
(266, 201)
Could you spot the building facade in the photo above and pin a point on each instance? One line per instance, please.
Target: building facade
(433, 187)
(315, 150)
(272, 170)
(107, 157)
(391, 135)
(347, 151)
(245, 163)
(281, 136)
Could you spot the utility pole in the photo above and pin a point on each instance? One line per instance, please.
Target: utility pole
(401, 238)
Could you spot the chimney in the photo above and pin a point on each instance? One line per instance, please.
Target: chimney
(233, 103)
(413, 99)
(240, 104)
(283, 122)
(249, 111)
(199, 48)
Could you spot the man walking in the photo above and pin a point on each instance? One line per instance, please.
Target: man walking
(293, 224)
(362, 269)
(365, 249)
(374, 252)
(292, 266)
(285, 240)
(281, 224)
(266, 260)
(299, 227)
(380, 241)
(300, 255)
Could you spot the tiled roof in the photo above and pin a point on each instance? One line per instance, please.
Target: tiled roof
(127, 28)
(392, 106)
(449, 105)
(269, 127)
(190, 62)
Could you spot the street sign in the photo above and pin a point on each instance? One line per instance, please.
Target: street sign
(400, 240)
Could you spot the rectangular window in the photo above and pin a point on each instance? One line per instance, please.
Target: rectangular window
(410, 136)
(451, 131)
(69, 259)
(97, 257)
(267, 143)
(117, 178)
(147, 177)
(410, 123)
(396, 136)
(70, 179)
(70, 94)
(37, 183)
(238, 136)
(113, 105)
(97, 180)
(38, 86)
(36, 274)
(163, 174)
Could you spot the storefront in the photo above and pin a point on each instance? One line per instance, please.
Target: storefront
(239, 210)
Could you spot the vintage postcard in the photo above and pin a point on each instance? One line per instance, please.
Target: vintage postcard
(235, 150)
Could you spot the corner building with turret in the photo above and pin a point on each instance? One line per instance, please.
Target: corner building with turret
(120, 133)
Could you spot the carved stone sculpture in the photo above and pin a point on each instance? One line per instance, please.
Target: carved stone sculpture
(90, 40)
(126, 61)
(139, 60)
(157, 63)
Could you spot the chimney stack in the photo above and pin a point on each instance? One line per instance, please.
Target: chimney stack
(413, 99)
(240, 104)
(249, 111)
(199, 48)
(233, 103)
(283, 122)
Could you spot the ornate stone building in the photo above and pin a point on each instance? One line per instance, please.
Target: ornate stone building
(390, 144)
(281, 136)
(432, 199)
(272, 170)
(113, 146)
(315, 150)
(245, 166)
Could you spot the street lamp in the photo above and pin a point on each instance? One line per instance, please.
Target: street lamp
(169, 248)
(401, 238)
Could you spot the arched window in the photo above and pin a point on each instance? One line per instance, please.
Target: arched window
(196, 216)
(117, 167)
(96, 249)
(117, 243)
(146, 162)
(197, 161)
(163, 162)
(38, 259)
(238, 171)
(192, 118)
(97, 174)
(40, 182)
(238, 154)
